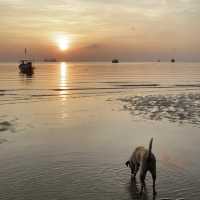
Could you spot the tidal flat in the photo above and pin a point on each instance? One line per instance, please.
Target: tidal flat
(68, 130)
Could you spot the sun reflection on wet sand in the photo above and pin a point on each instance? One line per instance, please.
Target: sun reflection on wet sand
(63, 80)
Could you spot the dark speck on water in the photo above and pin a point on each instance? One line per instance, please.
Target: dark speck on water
(5, 125)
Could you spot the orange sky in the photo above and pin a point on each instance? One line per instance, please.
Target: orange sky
(100, 30)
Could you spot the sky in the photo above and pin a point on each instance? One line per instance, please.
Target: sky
(99, 30)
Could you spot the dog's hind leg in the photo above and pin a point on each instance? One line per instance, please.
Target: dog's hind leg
(154, 185)
(153, 174)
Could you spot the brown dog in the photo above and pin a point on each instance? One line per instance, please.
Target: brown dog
(144, 160)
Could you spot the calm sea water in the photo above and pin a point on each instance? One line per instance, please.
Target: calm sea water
(64, 133)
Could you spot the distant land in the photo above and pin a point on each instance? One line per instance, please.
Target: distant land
(50, 60)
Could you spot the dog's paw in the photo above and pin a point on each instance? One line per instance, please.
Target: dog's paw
(133, 176)
(133, 180)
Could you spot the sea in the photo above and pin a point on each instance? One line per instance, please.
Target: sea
(67, 130)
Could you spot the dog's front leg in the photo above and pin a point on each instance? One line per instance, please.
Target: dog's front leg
(133, 174)
(142, 180)
(137, 166)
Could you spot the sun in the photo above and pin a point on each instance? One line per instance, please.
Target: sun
(62, 42)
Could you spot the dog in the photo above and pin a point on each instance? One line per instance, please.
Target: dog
(143, 160)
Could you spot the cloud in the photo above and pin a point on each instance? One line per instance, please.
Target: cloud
(95, 25)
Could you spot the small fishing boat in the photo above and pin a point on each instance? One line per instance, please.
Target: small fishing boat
(26, 67)
(173, 60)
(115, 61)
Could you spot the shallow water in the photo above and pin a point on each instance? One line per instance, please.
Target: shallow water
(64, 134)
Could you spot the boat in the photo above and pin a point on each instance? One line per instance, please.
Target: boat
(172, 60)
(26, 67)
(115, 61)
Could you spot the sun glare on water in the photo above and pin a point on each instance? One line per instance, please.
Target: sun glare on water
(62, 42)
(63, 80)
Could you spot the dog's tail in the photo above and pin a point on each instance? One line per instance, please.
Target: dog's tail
(150, 148)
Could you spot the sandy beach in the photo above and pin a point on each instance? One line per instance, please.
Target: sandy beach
(67, 131)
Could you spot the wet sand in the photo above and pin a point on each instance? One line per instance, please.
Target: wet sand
(181, 108)
(72, 144)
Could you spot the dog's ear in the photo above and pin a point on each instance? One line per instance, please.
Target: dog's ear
(127, 163)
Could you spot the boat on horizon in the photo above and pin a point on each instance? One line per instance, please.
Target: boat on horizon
(25, 65)
(115, 61)
(173, 60)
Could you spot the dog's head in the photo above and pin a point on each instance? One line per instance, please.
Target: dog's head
(127, 163)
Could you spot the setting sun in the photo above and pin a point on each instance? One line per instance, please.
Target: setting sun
(62, 42)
